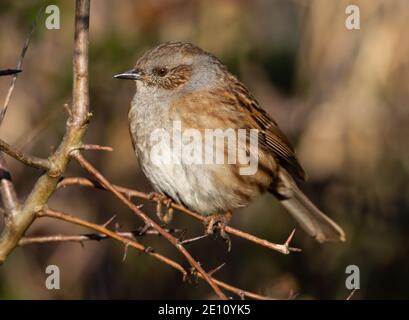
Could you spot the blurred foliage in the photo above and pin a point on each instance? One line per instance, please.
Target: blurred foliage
(341, 96)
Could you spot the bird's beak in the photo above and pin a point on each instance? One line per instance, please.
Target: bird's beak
(7, 72)
(133, 74)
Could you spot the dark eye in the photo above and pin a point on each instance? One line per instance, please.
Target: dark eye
(161, 71)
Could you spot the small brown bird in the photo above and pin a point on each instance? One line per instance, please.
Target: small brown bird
(178, 82)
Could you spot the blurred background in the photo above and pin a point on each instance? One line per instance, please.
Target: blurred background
(340, 95)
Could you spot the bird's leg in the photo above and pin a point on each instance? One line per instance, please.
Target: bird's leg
(166, 216)
(216, 226)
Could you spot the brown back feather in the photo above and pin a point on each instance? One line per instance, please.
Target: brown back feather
(271, 137)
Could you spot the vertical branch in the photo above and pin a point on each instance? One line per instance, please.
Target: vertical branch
(80, 64)
(75, 130)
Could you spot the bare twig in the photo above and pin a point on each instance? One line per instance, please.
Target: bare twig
(212, 272)
(96, 147)
(9, 72)
(18, 69)
(147, 220)
(75, 130)
(134, 234)
(26, 159)
(136, 245)
(351, 294)
(282, 248)
(187, 241)
(107, 232)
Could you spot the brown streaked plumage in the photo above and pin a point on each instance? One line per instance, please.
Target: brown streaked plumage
(178, 81)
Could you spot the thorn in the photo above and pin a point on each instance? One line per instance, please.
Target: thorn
(109, 221)
(211, 272)
(125, 252)
(290, 237)
(187, 241)
(145, 228)
(194, 275)
(242, 296)
(351, 294)
(67, 109)
(288, 241)
(95, 147)
(149, 250)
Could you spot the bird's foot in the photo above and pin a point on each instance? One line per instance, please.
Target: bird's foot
(167, 215)
(216, 227)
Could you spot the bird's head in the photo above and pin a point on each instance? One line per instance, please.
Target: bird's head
(174, 66)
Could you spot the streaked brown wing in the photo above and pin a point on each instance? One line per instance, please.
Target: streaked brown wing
(272, 138)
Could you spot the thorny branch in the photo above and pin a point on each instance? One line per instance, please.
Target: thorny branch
(127, 242)
(134, 234)
(282, 248)
(16, 226)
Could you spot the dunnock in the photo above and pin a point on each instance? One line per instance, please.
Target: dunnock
(178, 81)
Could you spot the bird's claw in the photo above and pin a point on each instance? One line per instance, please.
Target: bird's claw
(166, 216)
(216, 227)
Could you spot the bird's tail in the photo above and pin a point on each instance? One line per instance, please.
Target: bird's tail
(311, 219)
